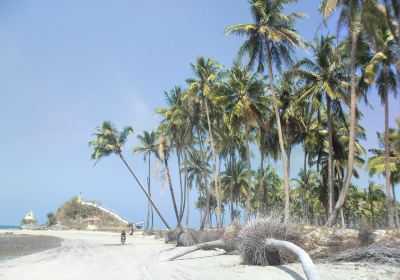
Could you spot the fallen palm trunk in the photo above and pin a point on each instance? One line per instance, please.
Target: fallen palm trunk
(258, 245)
(306, 262)
(181, 251)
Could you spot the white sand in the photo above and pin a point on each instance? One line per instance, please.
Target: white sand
(99, 255)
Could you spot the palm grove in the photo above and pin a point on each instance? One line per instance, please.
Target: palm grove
(226, 125)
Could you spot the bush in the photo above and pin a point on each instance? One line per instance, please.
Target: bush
(51, 219)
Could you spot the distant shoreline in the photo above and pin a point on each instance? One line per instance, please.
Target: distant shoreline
(9, 227)
(18, 245)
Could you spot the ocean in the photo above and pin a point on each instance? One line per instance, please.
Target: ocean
(9, 227)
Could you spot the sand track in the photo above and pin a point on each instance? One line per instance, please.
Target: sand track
(97, 255)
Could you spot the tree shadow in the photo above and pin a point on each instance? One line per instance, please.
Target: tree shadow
(292, 273)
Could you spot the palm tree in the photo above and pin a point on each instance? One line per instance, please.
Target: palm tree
(378, 164)
(164, 150)
(198, 173)
(243, 102)
(324, 77)
(207, 74)
(270, 39)
(386, 80)
(235, 185)
(108, 140)
(148, 146)
(351, 16)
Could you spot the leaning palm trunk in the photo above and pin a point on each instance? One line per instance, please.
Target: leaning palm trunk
(353, 120)
(280, 135)
(389, 195)
(172, 193)
(149, 208)
(147, 195)
(217, 190)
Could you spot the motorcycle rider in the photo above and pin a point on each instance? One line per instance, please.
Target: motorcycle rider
(123, 236)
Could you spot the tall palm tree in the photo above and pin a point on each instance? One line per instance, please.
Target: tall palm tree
(270, 39)
(108, 140)
(148, 146)
(164, 151)
(325, 78)
(351, 16)
(243, 100)
(386, 79)
(206, 75)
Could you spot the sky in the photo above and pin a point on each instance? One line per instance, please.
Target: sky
(66, 66)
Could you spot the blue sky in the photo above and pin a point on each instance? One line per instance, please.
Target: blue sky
(65, 66)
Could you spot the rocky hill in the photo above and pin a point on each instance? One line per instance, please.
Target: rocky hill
(78, 214)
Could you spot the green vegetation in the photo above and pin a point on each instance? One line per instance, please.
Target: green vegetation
(224, 119)
(51, 219)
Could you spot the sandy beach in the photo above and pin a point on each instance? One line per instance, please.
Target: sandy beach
(99, 255)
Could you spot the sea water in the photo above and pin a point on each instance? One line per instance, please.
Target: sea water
(9, 227)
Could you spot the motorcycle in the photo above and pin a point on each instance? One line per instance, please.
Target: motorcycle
(123, 239)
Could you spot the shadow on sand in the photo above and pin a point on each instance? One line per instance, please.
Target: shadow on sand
(292, 273)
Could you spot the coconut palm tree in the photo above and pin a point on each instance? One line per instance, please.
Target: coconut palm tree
(164, 151)
(206, 76)
(386, 79)
(270, 40)
(148, 147)
(235, 185)
(378, 164)
(356, 16)
(324, 78)
(242, 99)
(198, 174)
(108, 140)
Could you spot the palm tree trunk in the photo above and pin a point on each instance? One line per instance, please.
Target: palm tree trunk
(171, 189)
(149, 208)
(178, 153)
(280, 135)
(371, 205)
(148, 196)
(389, 195)
(352, 135)
(261, 186)
(330, 155)
(305, 181)
(187, 192)
(396, 212)
(217, 190)
(249, 193)
(204, 175)
(340, 180)
(232, 183)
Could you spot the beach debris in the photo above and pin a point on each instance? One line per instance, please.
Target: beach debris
(378, 254)
(257, 243)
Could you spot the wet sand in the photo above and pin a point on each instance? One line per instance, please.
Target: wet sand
(16, 245)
